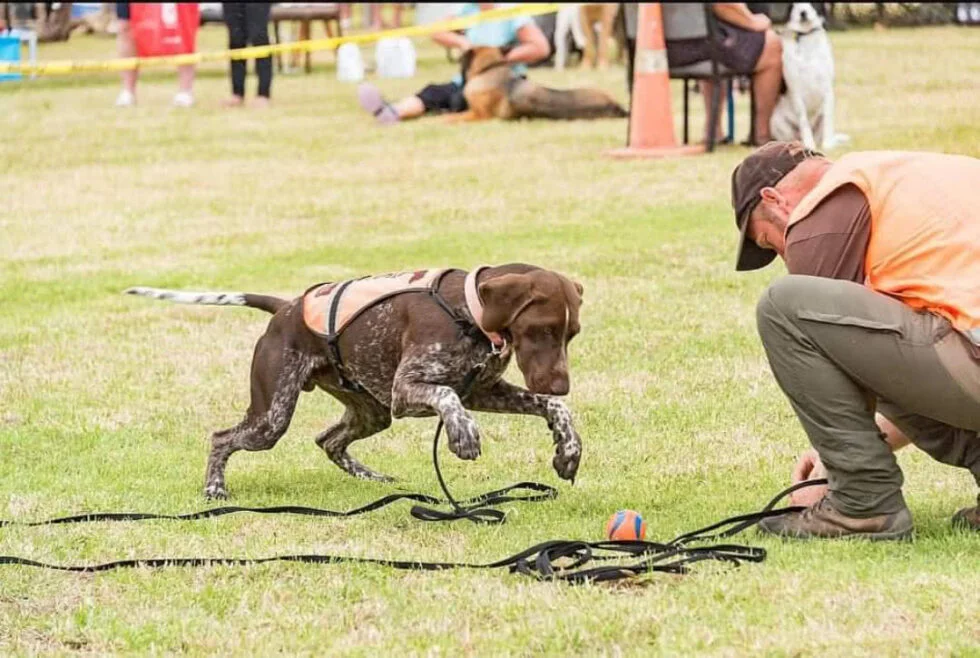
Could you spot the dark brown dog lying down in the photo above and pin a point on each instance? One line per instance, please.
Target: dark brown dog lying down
(492, 90)
(406, 355)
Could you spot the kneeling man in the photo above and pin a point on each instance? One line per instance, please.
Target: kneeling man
(880, 313)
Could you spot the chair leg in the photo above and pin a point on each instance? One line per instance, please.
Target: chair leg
(686, 107)
(751, 113)
(713, 114)
(275, 35)
(730, 103)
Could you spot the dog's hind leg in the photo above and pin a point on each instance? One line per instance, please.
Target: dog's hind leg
(362, 419)
(506, 398)
(279, 374)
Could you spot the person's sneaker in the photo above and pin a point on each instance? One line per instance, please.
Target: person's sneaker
(824, 522)
(126, 98)
(371, 100)
(968, 517)
(183, 99)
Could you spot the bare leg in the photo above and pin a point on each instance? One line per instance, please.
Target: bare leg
(605, 33)
(509, 399)
(185, 78)
(586, 18)
(765, 85)
(126, 47)
(410, 107)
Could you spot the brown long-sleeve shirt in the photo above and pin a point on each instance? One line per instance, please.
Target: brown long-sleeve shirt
(832, 240)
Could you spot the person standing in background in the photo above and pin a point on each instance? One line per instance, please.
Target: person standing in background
(248, 25)
(126, 47)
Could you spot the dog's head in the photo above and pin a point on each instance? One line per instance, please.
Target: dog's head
(804, 18)
(476, 60)
(538, 311)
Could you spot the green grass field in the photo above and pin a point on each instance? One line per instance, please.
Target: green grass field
(107, 401)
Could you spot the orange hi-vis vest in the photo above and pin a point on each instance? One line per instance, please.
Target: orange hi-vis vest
(924, 247)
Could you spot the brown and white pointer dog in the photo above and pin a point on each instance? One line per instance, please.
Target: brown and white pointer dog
(407, 356)
(493, 90)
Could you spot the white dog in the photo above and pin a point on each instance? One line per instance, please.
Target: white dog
(567, 22)
(806, 111)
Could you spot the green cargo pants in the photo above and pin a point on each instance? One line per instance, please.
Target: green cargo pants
(837, 348)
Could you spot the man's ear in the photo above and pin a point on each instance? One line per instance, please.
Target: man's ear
(773, 199)
(770, 195)
(503, 298)
(579, 288)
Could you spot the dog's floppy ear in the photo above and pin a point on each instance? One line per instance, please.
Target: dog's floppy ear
(504, 297)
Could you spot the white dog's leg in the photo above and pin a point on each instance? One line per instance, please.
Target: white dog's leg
(827, 114)
(830, 137)
(562, 28)
(806, 131)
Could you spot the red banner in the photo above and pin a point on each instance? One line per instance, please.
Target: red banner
(164, 28)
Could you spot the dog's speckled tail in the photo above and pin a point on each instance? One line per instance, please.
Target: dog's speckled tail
(262, 302)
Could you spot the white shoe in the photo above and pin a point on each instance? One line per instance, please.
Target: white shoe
(183, 99)
(126, 98)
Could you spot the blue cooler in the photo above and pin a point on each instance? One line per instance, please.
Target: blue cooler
(9, 52)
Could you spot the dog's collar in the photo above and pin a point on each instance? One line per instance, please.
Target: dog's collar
(495, 65)
(799, 35)
(475, 307)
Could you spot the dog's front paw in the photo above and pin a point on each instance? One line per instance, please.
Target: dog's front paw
(568, 444)
(568, 453)
(463, 434)
(215, 492)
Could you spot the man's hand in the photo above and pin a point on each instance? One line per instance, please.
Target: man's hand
(808, 467)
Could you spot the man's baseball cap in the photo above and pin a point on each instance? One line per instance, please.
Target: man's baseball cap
(765, 167)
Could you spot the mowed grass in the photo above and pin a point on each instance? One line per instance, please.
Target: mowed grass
(107, 402)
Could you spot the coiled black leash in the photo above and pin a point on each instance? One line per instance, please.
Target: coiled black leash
(560, 560)
(478, 509)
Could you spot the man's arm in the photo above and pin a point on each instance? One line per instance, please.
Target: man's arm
(532, 46)
(832, 241)
(738, 14)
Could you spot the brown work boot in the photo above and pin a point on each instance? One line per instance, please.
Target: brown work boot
(824, 522)
(968, 517)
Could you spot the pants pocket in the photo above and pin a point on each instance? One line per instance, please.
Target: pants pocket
(850, 321)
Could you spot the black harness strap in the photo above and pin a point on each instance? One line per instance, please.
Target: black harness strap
(333, 331)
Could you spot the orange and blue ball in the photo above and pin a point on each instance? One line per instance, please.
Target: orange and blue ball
(626, 525)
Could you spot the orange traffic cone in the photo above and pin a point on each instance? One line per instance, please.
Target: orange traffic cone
(651, 132)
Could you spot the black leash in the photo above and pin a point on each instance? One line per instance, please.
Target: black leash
(561, 560)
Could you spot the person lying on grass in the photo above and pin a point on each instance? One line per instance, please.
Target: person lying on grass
(880, 312)
(524, 40)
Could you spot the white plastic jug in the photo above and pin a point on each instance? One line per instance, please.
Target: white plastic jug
(350, 64)
(395, 58)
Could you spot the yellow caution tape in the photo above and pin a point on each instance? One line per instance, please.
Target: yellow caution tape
(66, 67)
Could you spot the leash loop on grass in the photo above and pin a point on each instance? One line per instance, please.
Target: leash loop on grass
(573, 562)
